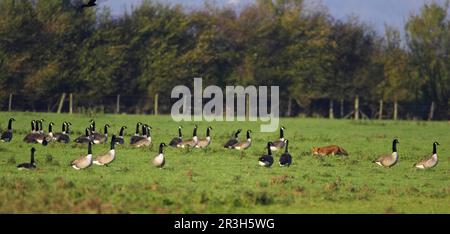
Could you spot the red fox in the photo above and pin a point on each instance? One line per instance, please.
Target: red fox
(327, 150)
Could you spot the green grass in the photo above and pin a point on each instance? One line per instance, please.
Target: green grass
(221, 181)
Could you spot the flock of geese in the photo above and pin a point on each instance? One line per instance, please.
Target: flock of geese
(138, 140)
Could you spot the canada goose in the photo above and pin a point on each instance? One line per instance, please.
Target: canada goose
(177, 140)
(190, 143)
(120, 139)
(39, 123)
(203, 143)
(136, 136)
(146, 140)
(84, 161)
(98, 138)
(63, 137)
(86, 138)
(106, 159)
(243, 145)
(31, 137)
(286, 158)
(234, 140)
(391, 159)
(28, 166)
(267, 160)
(144, 136)
(8, 134)
(279, 144)
(159, 161)
(46, 137)
(431, 161)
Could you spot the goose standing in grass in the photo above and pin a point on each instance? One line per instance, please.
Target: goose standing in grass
(7, 135)
(28, 166)
(286, 158)
(190, 143)
(280, 143)
(120, 140)
(177, 140)
(98, 138)
(234, 140)
(267, 160)
(108, 158)
(84, 161)
(203, 143)
(136, 135)
(243, 145)
(63, 137)
(159, 161)
(86, 138)
(391, 159)
(429, 162)
(146, 139)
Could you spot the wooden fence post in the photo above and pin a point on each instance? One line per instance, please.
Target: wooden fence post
(156, 104)
(331, 110)
(381, 110)
(70, 103)
(395, 110)
(431, 114)
(118, 104)
(10, 102)
(61, 103)
(357, 108)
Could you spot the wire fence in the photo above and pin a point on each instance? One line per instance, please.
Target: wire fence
(139, 104)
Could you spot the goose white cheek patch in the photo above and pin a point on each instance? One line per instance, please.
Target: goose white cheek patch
(241, 104)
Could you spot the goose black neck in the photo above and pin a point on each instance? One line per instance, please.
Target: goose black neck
(86, 132)
(434, 148)
(137, 129)
(10, 124)
(287, 147)
(105, 130)
(236, 135)
(32, 157)
(161, 147)
(32, 126)
(394, 146)
(281, 133)
(113, 143)
(93, 126)
(63, 128)
(40, 126)
(144, 130)
(208, 132)
(149, 133)
(269, 151)
(50, 128)
(90, 148)
(180, 135)
(248, 135)
(121, 131)
(195, 132)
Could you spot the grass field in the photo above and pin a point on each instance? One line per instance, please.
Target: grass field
(217, 180)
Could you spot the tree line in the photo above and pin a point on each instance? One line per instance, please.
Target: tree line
(48, 47)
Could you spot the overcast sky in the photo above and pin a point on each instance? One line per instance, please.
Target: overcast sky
(376, 12)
